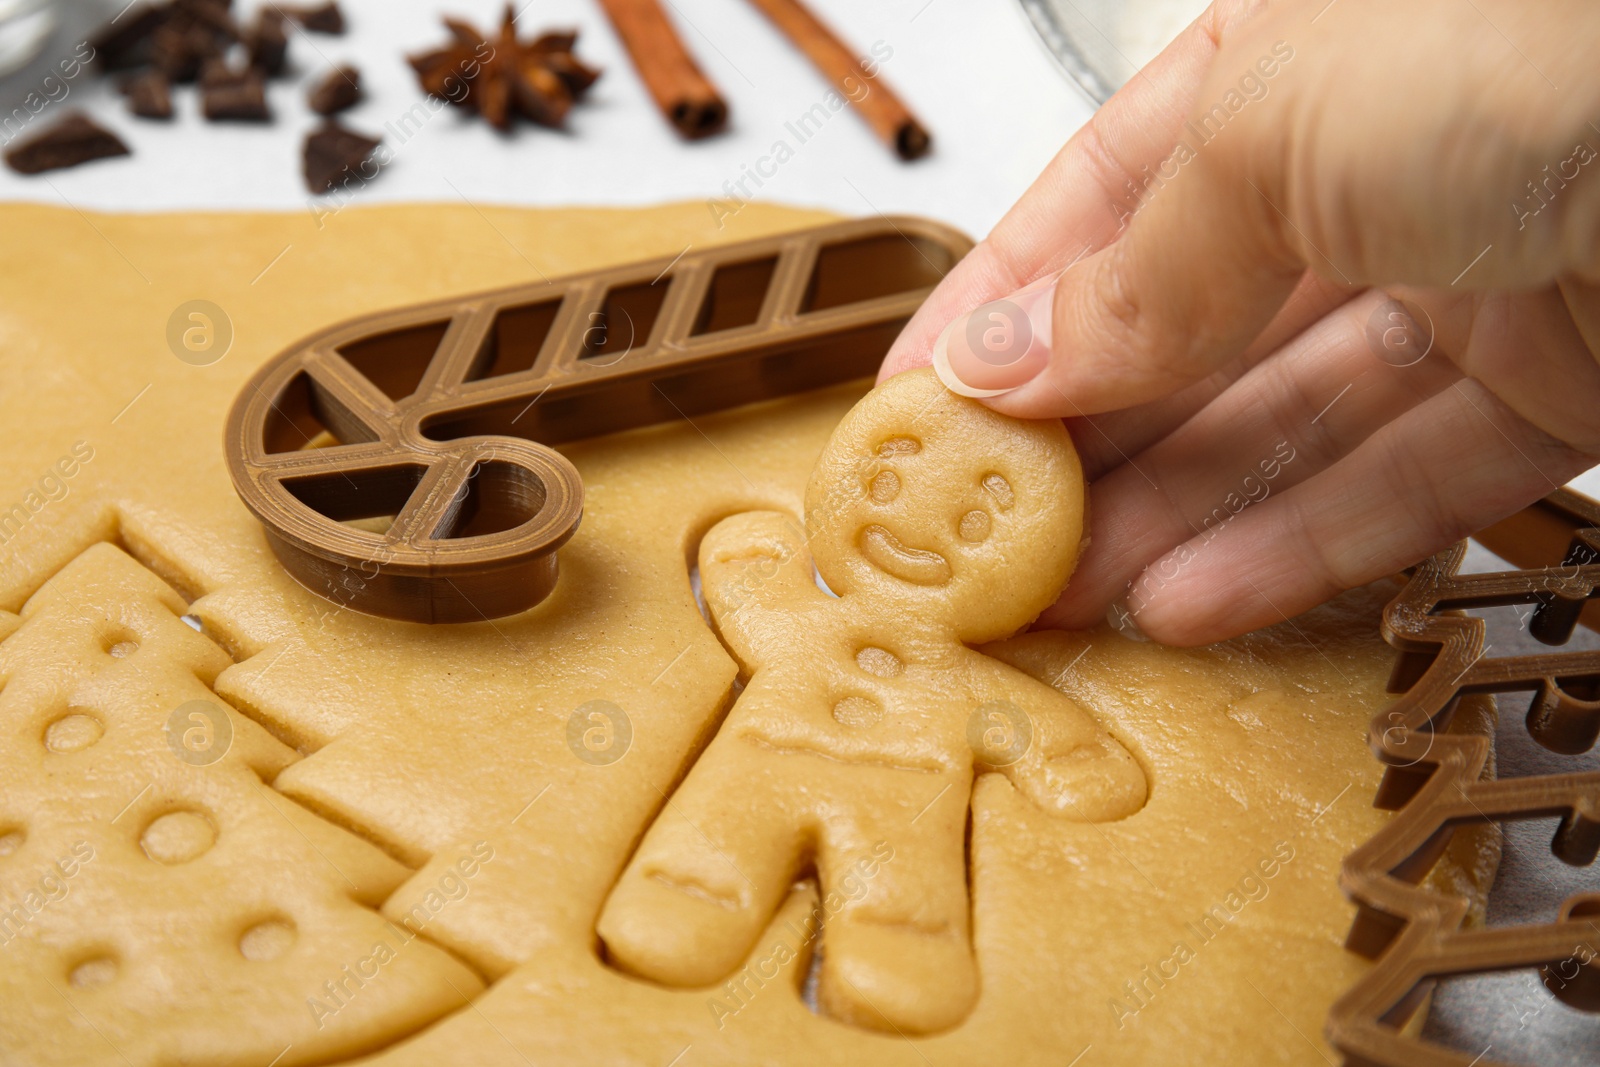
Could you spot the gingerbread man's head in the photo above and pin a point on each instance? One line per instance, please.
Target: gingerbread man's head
(966, 516)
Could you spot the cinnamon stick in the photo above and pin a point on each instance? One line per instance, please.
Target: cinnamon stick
(685, 96)
(888, 116)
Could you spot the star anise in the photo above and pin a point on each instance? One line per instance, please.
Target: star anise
(501, 77)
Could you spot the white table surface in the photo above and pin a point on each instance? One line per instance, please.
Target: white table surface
(973, 71)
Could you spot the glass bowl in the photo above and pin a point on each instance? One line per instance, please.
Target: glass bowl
(1101, 43)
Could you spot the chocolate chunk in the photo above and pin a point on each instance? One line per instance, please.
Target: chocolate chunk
(125, 42)
(176, 37)
(233, 95)
(334, 155)
(178, 50)
(268, 43)
(216, 71)
(148, 95)
(211, 14)
(73, 140)
(338, 91)
(325, 19)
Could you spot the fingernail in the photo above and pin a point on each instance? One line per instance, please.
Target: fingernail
(1000, 346)
(1120, 616)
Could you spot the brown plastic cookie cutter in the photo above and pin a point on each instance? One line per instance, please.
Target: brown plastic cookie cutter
(401, 462)
(1432, 780)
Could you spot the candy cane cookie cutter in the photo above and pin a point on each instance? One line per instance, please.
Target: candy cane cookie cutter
(402, 463)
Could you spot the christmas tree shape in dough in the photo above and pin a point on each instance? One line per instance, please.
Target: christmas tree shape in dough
(158, 903)
(940, 524)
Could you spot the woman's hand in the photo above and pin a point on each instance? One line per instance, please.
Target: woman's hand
(1318, 293)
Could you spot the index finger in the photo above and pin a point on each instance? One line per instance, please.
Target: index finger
(1085, 195)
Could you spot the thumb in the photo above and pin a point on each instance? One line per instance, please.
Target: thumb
(1264, 181)
(1199, 272)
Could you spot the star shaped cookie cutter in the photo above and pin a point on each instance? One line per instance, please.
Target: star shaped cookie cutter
(401, 463)
(1433, 782)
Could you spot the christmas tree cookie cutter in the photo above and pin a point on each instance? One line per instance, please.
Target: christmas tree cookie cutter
(401, 463)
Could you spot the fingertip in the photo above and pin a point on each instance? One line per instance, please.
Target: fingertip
(999, 346)
(1177, 632)
(1189, 614)
(1068, 613)
(947, 374)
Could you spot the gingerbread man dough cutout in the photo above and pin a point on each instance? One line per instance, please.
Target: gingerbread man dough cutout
(852, 750)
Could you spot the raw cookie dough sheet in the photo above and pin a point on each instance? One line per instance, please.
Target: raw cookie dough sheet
(399, 854)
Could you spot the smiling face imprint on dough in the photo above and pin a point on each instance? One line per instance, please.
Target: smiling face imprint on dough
(926, 502)
(925, 565)
(878, 543)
